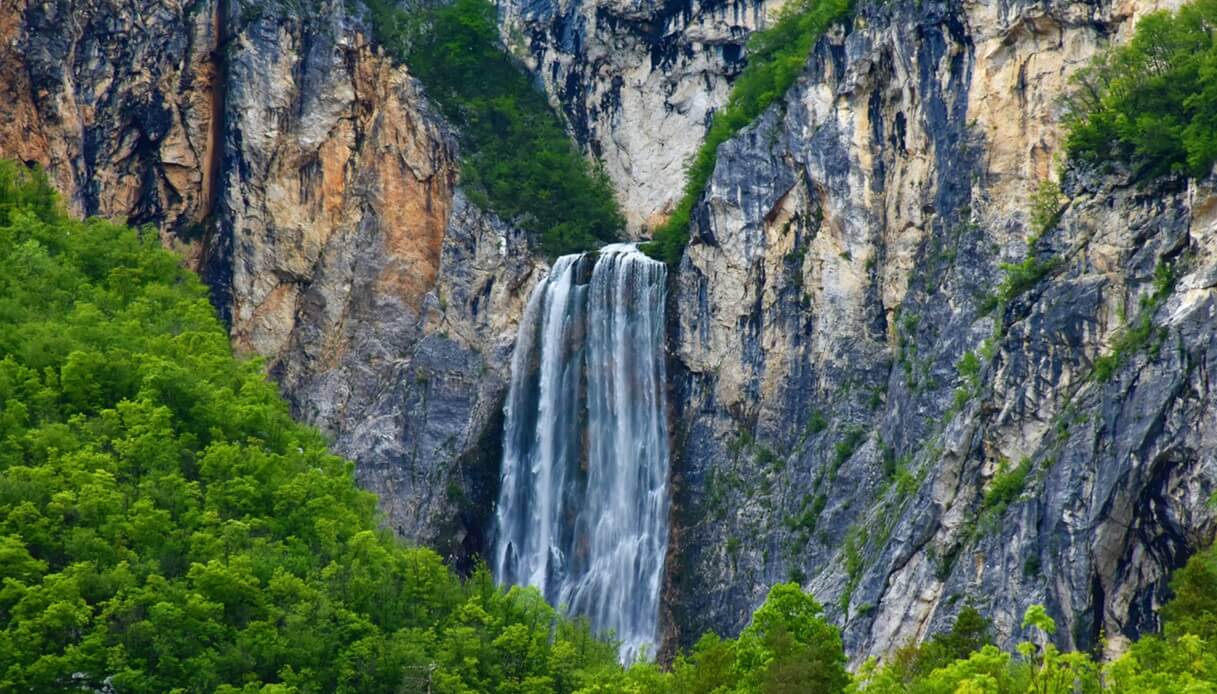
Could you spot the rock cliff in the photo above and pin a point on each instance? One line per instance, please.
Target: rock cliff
(847, 256)
(384, 301)
(637, 81)
(307, 177)
(121, 102)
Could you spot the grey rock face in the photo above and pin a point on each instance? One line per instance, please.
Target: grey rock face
(840, 268)
(416, 399)
(637, 81)
(384, 300)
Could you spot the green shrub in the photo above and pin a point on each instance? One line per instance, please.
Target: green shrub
(1046, 208)
(1006, 486)
(767, 459)
(969, 369)
(776, 57)
(28, 190)
(815, 424)
(845, 448)
(855, 541)
(1132, 339)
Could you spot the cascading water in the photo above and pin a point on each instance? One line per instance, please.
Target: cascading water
(583, 509)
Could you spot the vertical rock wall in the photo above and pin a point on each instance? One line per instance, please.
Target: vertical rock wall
(120, 101)
(841, 266)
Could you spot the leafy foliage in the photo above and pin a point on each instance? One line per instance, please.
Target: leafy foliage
(788, 647)
(165, 526)
(1046, 208)
(775, 58)
(1186, 662)
(518, 160)
(970, 633)
(1007, 484)
(1152, 103)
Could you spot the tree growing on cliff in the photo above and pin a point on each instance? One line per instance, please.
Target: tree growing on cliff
(1152, 103)
(517, 159)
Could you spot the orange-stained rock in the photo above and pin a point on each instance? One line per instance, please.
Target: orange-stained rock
(115, 98)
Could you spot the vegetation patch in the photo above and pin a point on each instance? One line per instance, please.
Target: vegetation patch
(776, 57)
(815, 424)
(1018, 278)
(803, 524)
(853, 438)
(517, 159)
(1151, 103)
(166, 526)
(851, 551)
(1133, 338)
(1006, 486)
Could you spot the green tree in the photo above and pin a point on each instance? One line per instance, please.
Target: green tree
(1152, 103)
(166, 526)
(517, 158)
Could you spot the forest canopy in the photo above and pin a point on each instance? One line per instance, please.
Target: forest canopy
(164, 523)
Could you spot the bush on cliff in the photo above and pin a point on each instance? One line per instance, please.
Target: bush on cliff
(776, 57)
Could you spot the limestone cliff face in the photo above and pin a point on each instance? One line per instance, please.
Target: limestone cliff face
(309, 179)
(838, 273)
(637, 81)
(386, 303)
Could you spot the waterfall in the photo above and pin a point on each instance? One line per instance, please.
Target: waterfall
(583, 509)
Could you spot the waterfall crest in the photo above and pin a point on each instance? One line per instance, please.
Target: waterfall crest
(583, 508)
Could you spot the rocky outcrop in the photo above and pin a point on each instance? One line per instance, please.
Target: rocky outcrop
(120, 101)
(385, 301)
(638, 82)
(845, 259)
